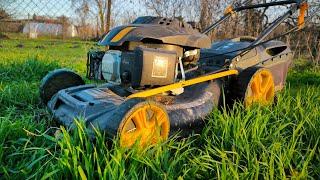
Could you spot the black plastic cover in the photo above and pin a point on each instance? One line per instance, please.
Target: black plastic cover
(153, 67)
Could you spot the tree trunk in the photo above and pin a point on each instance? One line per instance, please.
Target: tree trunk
(108, 15)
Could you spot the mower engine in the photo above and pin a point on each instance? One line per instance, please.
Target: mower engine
(152, 51)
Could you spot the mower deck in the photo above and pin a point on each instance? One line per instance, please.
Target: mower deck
(96, 105)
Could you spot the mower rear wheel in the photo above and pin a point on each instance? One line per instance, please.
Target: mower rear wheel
(146, 122)
(254, 85)
(57, 80)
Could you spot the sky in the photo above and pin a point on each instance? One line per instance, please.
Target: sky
(23, 9)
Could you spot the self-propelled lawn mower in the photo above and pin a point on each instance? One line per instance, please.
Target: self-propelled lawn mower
(164, 76)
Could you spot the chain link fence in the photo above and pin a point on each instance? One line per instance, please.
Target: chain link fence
(52, 18)
(88, 20)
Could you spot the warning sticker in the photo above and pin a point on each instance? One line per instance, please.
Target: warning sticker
(160, 67)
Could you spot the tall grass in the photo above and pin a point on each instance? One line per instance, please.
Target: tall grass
(258, 143)
(276, 142)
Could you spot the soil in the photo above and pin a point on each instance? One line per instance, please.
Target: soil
(2, 36)
(20, 46)
(40, 47)
(75, 46)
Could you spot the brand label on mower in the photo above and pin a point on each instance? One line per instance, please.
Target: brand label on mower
(160, 67)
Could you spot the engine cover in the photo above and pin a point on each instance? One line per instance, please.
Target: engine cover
(138, 68)
(157, 67)
(111, 66)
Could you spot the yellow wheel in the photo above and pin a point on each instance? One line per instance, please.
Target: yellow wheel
(260, 88)
(254, 86)
(146, 122)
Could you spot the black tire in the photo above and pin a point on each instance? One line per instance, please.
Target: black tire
(239, 86)
(57, 80)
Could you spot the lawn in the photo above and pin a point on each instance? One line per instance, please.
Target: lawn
(275, 142)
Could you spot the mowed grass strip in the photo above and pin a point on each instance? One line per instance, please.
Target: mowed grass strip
(276, 142)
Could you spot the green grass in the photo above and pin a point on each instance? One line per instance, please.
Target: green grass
(275, 142)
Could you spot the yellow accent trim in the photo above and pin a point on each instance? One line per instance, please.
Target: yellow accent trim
(121, 34)
(303, 8)
(182, 84)
(229, 10)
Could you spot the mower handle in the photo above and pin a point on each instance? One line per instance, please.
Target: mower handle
(232, 10)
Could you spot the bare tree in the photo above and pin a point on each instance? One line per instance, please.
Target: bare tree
(168, 8)
(205, 13)
(100, 8)
(108, 15)
(4, 14)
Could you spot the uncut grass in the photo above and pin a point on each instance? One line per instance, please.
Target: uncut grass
(273, 142)
(262, 142)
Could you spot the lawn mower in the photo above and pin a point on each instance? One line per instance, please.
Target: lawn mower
(163, 76)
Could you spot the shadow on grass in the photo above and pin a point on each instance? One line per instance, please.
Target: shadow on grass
(304, 73)
(305, 78)
(30, 70)
(20, 81)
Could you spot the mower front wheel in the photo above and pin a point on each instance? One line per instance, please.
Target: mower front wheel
(142, 121)
(57, 80)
